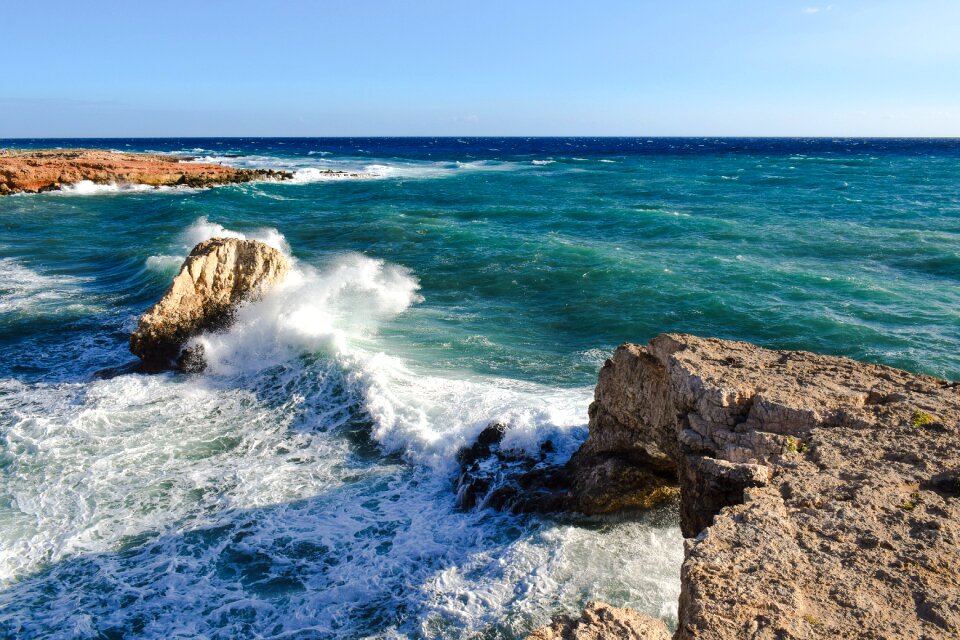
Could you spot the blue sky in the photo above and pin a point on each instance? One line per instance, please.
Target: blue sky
(372, 67)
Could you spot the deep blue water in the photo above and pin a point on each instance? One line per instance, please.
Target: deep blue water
(302, 486)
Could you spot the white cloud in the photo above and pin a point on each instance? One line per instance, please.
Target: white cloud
(812, 10)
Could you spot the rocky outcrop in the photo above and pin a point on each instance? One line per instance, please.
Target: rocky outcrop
(501, 478)
(218, 275)
(820, 495)
(600, 621)
(33, 171)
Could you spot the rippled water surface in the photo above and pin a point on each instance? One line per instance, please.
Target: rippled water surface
(302, 486)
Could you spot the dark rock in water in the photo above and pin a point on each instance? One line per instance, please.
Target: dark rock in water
(112, 372)
(510, 480)
(217, 276)
(191, 359)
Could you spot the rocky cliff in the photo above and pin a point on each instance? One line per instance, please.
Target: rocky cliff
(219, 274)
(820, 496)
(50, 169)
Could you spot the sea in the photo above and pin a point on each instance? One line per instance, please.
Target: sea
(303, 485)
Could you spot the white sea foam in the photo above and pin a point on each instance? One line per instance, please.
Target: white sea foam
(319, 168)
(426, 417)
(90, 188)
(308, 175)
(542, 162)
(23, 289)
(202, 229)
(240, 496)
(164, 263)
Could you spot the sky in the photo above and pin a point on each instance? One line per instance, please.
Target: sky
(496, 67)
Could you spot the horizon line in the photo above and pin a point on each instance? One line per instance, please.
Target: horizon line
(478, 137)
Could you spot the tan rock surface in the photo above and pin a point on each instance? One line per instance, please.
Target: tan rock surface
(219, 274)
(821, 495)
(600, 621)
(32, 171)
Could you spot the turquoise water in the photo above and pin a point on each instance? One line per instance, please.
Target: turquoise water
(302, 486)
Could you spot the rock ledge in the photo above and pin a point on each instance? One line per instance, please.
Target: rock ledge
(820, 495)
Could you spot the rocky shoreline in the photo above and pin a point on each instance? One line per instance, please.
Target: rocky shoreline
(820, 496)
(36, 171)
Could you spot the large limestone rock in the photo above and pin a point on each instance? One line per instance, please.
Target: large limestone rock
(219, 274)
(600, 621)
(820, 495)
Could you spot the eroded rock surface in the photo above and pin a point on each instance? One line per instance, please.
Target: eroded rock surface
(821, 495)
(33, 171)
(219, 274)
(600, 621)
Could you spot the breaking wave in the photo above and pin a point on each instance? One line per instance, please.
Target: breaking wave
(301, 485)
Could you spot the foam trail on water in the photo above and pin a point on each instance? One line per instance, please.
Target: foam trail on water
(90, 188)
(24, 290)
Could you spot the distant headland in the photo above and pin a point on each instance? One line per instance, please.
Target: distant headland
(35, 171)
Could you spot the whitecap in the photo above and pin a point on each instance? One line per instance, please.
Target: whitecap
(23, 289)
(89, 188)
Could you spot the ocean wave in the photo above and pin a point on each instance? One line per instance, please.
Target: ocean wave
(164, 263)
(90, 188)
(202, 229)
(249, 491)
(336, 312)
(23, 289)
(313, 169)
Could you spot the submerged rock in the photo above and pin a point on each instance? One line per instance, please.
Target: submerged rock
(218, 275)
(600, 621)
(820, 495)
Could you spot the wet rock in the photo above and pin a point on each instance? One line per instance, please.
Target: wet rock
(600, 621)
(217, 276)
(492, 476)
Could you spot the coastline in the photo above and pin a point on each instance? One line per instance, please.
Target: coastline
(520, 283)
(40, 170)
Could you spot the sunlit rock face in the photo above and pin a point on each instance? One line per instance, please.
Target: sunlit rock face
(820, 495)
(218, 275)
(33, 171)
